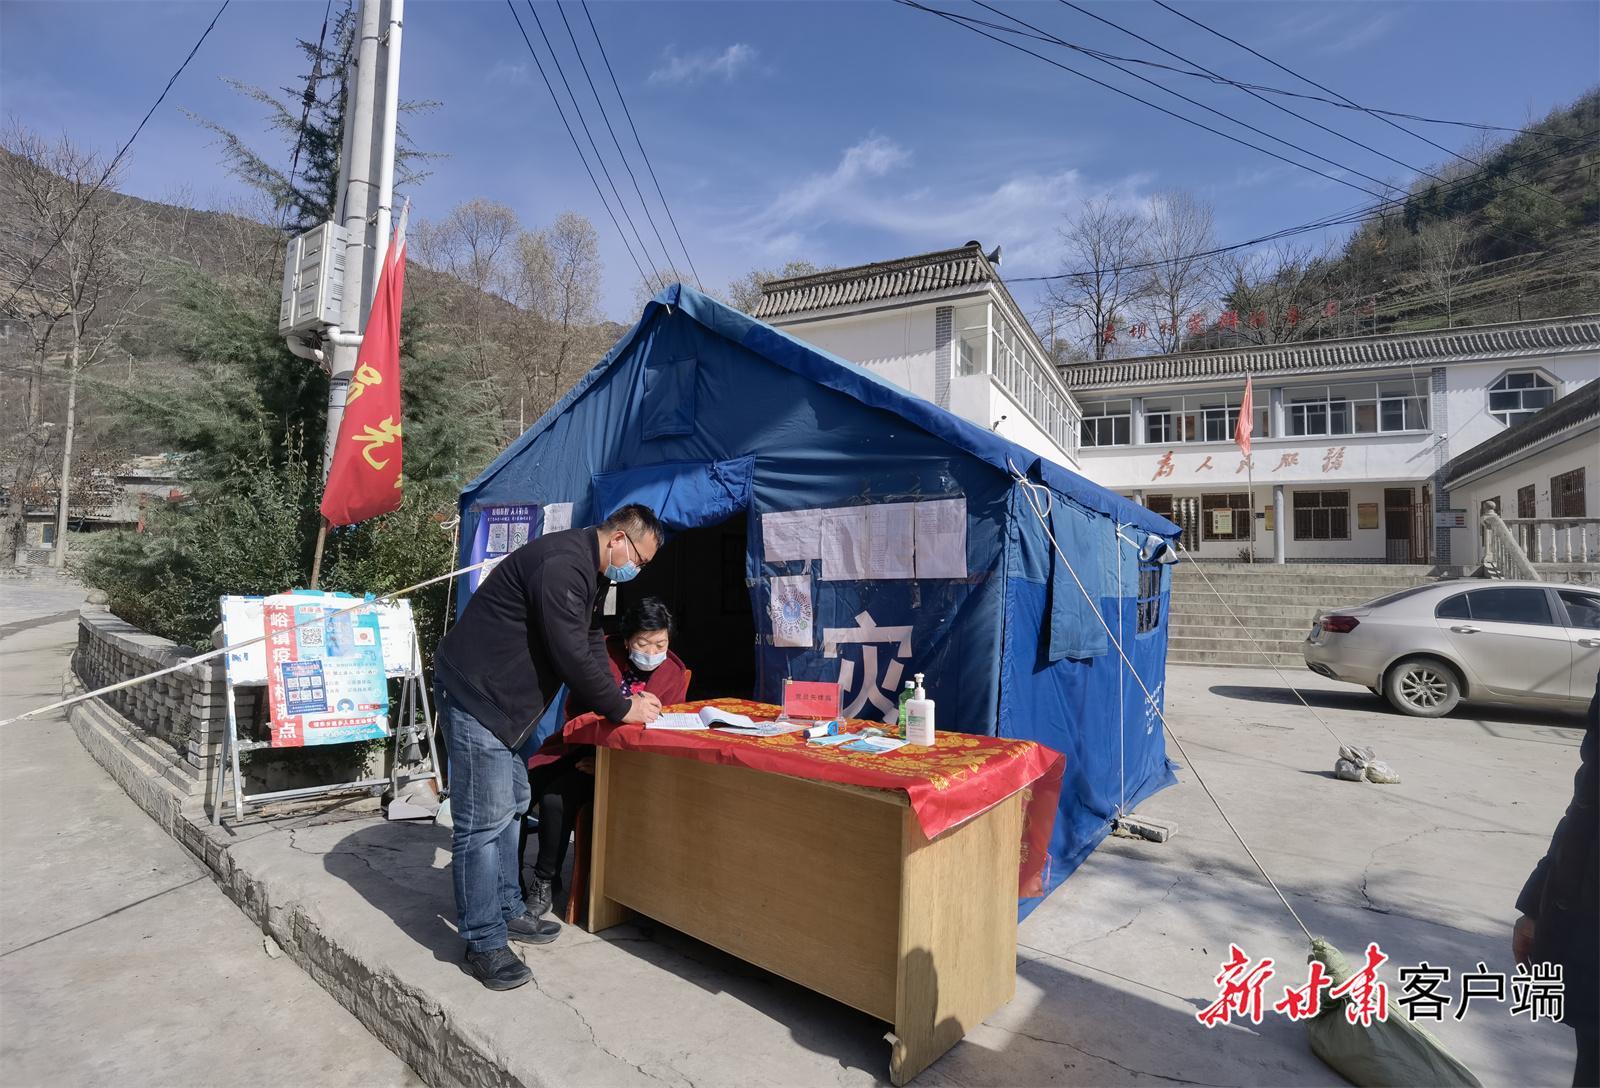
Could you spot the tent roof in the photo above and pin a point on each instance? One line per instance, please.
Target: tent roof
(855, 382)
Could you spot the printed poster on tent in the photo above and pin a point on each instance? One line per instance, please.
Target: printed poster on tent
(325, 677)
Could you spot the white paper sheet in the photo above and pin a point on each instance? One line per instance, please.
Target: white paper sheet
(941, 543)
(678, 722)
(890, 540)
(791, 534)
(844, 544)
(242, 620)
(792, 612)
(557, 516)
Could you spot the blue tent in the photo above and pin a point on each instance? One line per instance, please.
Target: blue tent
(827, 525)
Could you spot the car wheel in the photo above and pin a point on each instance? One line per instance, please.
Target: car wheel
(1423, 687)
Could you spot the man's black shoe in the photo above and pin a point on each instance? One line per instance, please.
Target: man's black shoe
(498, 968)
(540, 897)
(531, 929)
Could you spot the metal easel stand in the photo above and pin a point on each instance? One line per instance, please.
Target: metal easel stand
(413, 694)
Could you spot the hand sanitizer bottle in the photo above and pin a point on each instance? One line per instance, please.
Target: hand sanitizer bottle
(919, 717)
(905, 697)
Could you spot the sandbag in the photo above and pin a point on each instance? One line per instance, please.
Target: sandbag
(1380, 772)
(1388, 1052)
(1358, 763)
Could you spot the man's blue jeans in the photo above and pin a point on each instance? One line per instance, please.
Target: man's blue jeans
(488, 797)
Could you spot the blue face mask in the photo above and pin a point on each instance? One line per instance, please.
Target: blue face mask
(647, 662)
(625, 573)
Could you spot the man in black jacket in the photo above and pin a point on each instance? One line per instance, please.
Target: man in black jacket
(529, 629)
(1560, 908)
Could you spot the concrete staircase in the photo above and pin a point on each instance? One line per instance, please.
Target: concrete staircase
(1276, 604)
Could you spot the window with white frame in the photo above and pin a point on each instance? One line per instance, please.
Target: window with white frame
(1032, 384)
(1106, 422)
(1203, 417)
(1357, 408)
(1518, 394)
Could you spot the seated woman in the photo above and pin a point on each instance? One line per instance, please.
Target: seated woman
(561, 775)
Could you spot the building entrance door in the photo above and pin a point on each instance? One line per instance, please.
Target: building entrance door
(1185, 511)
(1403, 536)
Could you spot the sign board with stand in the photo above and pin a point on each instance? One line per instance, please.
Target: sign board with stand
(327, 683)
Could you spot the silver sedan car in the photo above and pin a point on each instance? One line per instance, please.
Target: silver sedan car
(1428, 647)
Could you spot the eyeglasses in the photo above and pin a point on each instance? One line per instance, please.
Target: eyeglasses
(643, 562)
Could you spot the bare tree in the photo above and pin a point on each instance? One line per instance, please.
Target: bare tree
(1444, 260)
(1182, 275)
(745, 291)
(475, 245)
(557, 284)
(81, 283)
(1273, 296)
(1098, 287)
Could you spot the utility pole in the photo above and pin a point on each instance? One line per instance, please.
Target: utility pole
(366, 199)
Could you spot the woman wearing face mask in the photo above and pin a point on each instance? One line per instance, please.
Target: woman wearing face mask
(561, 775)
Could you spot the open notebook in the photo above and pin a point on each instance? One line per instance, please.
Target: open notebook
(723, 721)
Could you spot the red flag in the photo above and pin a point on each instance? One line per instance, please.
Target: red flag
(364, 479)
(1241, 429)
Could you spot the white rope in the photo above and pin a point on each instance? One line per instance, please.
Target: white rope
(180, 666)
(1122, 684)
(1031, 489)
(1264, 655)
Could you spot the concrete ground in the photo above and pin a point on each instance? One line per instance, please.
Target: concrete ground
(1111, 969)
(121, 961)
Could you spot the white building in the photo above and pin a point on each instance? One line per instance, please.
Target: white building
(1542, 477)
(943, 326)
(1351, 437)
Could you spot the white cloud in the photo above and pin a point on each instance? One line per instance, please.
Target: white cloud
(868, 189)
(694, 67)
(507, 74)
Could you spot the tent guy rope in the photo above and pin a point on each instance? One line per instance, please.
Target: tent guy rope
(1031, 490)
(220, 651)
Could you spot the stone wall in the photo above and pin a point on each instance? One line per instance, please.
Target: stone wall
(186, 710)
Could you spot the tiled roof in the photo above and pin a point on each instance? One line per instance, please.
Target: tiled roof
(870, 282)
(1569, 411)
(1550, 337)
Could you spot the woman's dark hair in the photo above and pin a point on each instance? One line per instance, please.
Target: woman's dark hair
(650, 614)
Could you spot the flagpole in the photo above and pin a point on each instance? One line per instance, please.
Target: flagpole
(316, 556)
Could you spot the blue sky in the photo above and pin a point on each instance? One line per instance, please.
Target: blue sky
(839, 132)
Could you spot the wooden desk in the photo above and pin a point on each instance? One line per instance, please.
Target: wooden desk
(832, 886)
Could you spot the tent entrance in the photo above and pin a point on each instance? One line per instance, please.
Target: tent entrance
(700, 576)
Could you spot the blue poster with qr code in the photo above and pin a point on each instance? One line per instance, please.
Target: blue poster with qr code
(325, 672)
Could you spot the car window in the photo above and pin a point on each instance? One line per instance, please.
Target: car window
(1511, 606)
(1454, 608)
(1583, 609)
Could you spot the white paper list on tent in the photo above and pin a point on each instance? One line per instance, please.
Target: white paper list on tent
(889, 540)
(791, 534)
(557, 517)
(942, 539)
(844, 544)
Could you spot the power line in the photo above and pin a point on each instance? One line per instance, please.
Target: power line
(629, 114)
(116, 159)
(307, 100)
(1216, 78)
(1208, 109)
(1336, 219)
(1249, 91)
(1143, 101)
(1321, 87)
(655, 281)
(606, 117)
(575, 145)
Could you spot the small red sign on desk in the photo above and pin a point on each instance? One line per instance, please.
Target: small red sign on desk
(810, 699)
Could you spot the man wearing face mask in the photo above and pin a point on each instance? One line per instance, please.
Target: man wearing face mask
(529, 629)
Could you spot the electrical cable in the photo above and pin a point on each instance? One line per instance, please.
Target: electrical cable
(606, 117)
(575, 145)
(1211, 109)
(1311, 82)
(1142, 101)
(655, 281)
(115, 160)
(308, 99)
(644, 154)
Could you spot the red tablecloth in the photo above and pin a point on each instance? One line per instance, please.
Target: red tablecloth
(959, 777)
